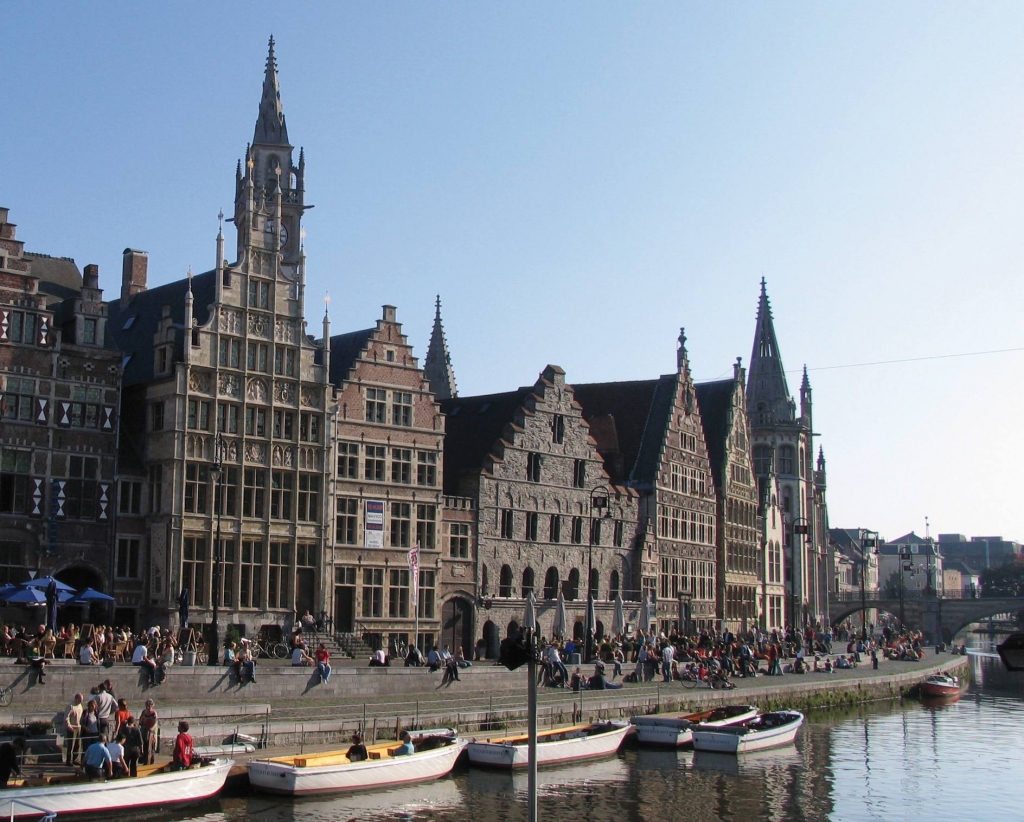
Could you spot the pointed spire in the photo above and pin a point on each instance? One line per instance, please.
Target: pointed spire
(681, 358)
(437, 367)
(270, 124)
(768, 398)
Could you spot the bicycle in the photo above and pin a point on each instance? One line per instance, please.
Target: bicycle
(6, 695)
(270, 649)
(720, 681)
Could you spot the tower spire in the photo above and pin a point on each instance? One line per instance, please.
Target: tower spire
(270, 125)
(437, 367)
(768, 397)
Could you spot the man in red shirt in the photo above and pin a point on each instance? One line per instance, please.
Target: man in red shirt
(323, 660)
(182, 756)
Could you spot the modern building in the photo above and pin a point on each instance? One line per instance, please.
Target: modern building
(979, 552)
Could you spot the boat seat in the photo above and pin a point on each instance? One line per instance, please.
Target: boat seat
(374, 754)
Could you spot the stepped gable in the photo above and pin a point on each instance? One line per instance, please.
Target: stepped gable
(715, 400)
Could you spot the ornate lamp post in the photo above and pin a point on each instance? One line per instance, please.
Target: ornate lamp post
(598, 502)
(801, 528)
(868, 539)
(213, 652)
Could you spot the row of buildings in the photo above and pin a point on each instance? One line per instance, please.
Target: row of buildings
(194, 436)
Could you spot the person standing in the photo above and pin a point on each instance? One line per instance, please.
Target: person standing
(666, 663)
(98, 762)
(106, 707)
(181, 758)
(73, 729)
(147, 724)
(132, 742)
(10, 759)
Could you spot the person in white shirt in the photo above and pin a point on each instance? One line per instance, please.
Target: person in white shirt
(86, 655)
(140, 657)
(300, 658)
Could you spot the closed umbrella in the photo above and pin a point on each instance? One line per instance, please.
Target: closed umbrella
(558, 629)
(51, 605)
(530, 617)
(591, 616)
(183, 608)
(619, 618)
(645, 615)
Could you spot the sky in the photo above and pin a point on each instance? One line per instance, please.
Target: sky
(577, 181)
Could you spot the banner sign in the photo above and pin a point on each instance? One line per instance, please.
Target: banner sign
(373, 524)
(414, 573)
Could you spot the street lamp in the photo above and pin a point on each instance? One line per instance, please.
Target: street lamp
(868, 539)
(598, 501)
(904, 567)
(213, 652)
(801, 527)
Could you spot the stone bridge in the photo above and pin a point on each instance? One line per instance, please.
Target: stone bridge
(937, 616)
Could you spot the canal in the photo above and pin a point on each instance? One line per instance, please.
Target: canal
(891, 761)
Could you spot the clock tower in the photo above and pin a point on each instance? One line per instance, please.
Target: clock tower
(270, 193)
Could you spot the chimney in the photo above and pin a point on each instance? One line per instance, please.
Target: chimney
(133, 274)
(91, 276)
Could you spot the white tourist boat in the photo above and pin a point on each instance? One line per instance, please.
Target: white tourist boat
(769, 730)
(566, 744)
(942, 686)
(154, 787)
(333, 772)
(677, 731)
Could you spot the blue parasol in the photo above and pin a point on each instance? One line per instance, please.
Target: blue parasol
(26, 596)
(44, 582)
(90, 595)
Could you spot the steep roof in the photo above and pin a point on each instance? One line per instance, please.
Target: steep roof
(131, 327)
(437, 367)
(715, 402)
(766, 379)
(271, 128)
(345, 350)
(473, 425)
(59, 277)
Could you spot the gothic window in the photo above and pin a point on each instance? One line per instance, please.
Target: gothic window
(259, 294)
(577, 530)
(595, 579)
(256, 355)
(505, 582)
(555, 529)
(284, 361)
(156, 416)
(613, 585)
(571, 586)
(532, 519)
(533, 464)
(527, 588)
(227, 418)
(309, 427)
(507, 524)
(551, 584)
(255, 421)
(579, 474)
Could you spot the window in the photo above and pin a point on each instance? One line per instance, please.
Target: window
(163, 362)
(577, 530)
(256, 355)
(278, 575)
(80, 488)
(254, 492)
(508, 524)
(229, 485)
(229, 353)
(89, 332)
(458, 540)
(309, 497)
(595, 580)
(22, 328)
(571, 586)
(250, 585)
(255, 421)
(156, 417)
(84, 411)
(197, 479)
(551, 584)
(346, 523)
(14, 469)
(426, 517)
(398, 593)
(374, 466)
(533, 464)
(259, 294)
(401, 525)
(527, 588)
(284, 425)
(227, 418)
(127, 561)
(558, 429)
(130, 501)
(401, 409)
(309, 427)
(284, 361)
(579, 474)
(156, 488)
(426, 468)
(427, 595)
(613, 585)
(401, 465)
(786, 459)
(193, 569)
(677, 476)
(229, 561)
(376, 405)
(199, 415)
(505, 582)
(348, 460)
(282, 488)
(532, 518)
(16, 403)
(373, 592)
(555, 529)
(619, 533)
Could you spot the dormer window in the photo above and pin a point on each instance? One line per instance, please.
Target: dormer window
(162, 361)
(89, 332)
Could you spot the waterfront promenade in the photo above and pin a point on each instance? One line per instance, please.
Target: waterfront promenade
(289, 707)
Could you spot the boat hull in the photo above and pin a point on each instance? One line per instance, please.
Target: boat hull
(289, 780)
(573, 749)
(744, 738)
(677, 731)
(942, 687)
(117, 796)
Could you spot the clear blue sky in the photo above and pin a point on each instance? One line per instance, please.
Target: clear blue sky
(579, 180)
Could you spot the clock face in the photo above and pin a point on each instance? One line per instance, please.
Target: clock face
(284, 235)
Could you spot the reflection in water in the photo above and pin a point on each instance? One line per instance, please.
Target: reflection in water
(885, 761)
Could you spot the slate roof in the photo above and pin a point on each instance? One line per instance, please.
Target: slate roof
(59, 277)
(715, 402)
(345, 350)
(136, 341)
(472, 427)
(628, 421)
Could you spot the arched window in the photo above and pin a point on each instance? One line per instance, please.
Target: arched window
(803, 455)
(595, 578)
(551, 584)
(527, 582)
(613, 586)
(786, 459)
(571, 588)
(505, 583)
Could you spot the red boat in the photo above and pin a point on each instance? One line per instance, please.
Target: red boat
(941, 685)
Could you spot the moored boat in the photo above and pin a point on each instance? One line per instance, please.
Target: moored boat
(571, 743)
(768, 730)
(154, 787)
(940, 685)
(677, 731)
(333, 772)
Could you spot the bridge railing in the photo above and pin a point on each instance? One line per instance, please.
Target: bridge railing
(908, 595)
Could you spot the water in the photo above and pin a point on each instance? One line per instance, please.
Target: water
(877, 762)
